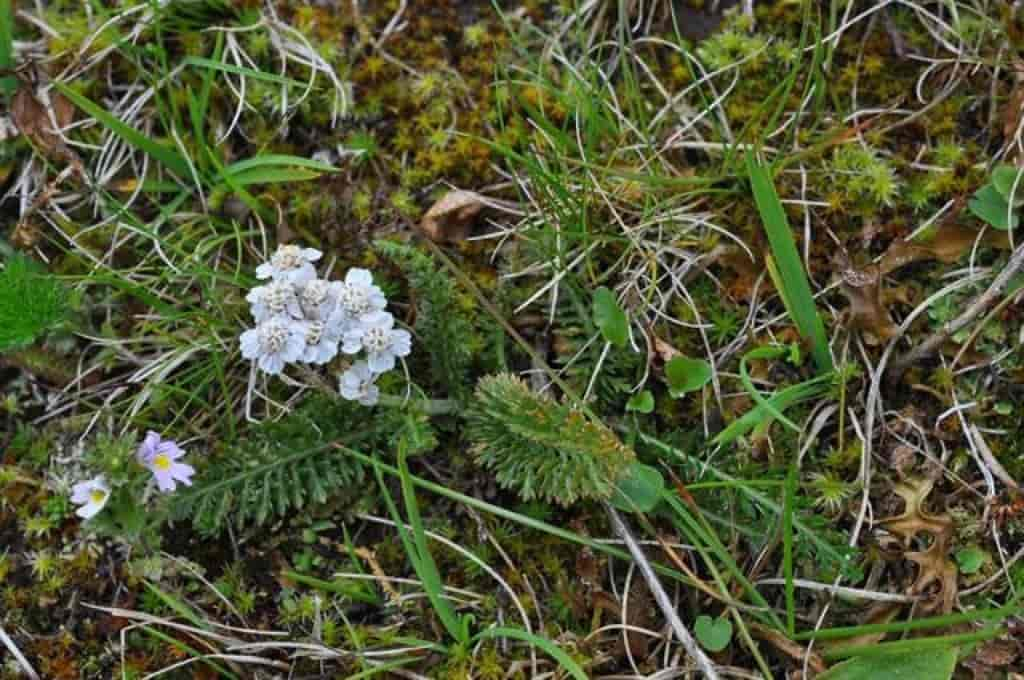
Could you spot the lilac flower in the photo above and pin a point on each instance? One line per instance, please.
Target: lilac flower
(375, 333)
(358, 296)
(290, 264)
(277, 298)
(161, 457)
(357, 384)
(319, 298)
(92, 495)
(322, 338)
(274, 343)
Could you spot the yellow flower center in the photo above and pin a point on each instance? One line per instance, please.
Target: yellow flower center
(161, 462)
(97, 495)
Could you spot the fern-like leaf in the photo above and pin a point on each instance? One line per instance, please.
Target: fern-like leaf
(32, 302)
(279, 468)
(444, 328)
(542, 448)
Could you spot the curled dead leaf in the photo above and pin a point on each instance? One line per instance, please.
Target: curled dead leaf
(663, 350)
(936, 579)
(867, 313)
(450, 220)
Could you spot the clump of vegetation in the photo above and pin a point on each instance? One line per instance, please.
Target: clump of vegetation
(32, 303)
(542, 448)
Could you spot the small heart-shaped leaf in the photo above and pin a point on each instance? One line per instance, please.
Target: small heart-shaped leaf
(686, 375)
(1006, 182)
(990, 206)
(639, 490)
(609, 317)
(713, 634)
(641, 402)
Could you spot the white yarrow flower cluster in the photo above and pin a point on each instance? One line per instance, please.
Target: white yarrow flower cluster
(304, 319)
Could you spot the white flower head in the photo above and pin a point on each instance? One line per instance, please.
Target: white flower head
(357, 384)
(319, 298)
(358, 296)
(274, 343)
(91, 495)
(291, 264)
(277, 298)
(375, 332)
(322, 338)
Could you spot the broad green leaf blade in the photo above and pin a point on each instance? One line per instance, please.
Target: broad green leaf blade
(988, 205)
(794, 286)
(686, 375)
(168, 157)
(936, 664)
(639, 490)
(610, 318)
(1005, 181)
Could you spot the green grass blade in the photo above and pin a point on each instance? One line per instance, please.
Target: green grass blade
(278, 160)
(426, 568)
(780, 401)
(564, 660)
(922, 645)
(191, 651)
(997, 614)
(166, 156)
(215, 65)
(8, 84)
(355, 593)
(793, 284)
(787, 547)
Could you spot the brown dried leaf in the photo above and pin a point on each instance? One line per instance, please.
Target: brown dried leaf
(664, 350)
(1012, 112)
(863, 288)
(794, 650)
(27, 112)
(746, 272)
(63, 109)
(936, 574)
(879, 612)
(451, 218)
(998, 653)
(951, 242)
(935, 569)
(915, 518)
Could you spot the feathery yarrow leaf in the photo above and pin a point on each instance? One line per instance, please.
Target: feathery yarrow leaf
(32, 302)
(542, 448)
(280, 468)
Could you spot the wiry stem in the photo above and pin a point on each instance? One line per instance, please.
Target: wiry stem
(982, 303)
(661, 597)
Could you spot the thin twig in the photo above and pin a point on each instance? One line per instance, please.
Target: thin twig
(661, 597)
(18, 656)
(982, 303)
